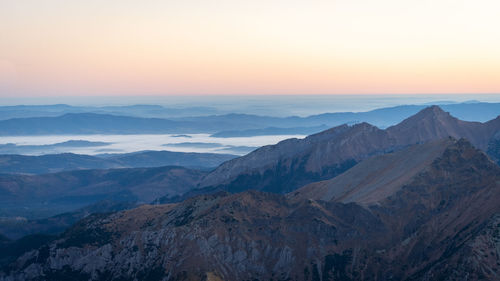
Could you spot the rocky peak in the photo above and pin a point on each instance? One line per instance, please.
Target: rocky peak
(432, 110)
(430, 115)
(434, 123)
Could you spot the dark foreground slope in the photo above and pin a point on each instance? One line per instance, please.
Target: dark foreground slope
(441, 224)
(18, 227)
(293, 163)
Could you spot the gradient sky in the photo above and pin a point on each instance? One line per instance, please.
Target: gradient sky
(153, 47)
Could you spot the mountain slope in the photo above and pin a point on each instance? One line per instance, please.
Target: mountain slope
(18, 227)
(170, 158)
(293, 163)
(38, 196)
(440, 225)
(51, 163)
(433, 123)
(375, 178)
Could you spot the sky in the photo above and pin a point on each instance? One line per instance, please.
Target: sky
(240, 47)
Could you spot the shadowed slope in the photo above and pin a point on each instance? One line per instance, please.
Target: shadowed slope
(375, 178)
(45, 195)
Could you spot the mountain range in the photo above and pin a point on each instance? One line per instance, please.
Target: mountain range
(415, 201)
(51, 163)
(138, 110)
(279, 168)
(442, 222)
(40, 196)
(293, 163)
(78, 122)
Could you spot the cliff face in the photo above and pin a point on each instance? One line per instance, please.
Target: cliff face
(441, 223)
(293, 163)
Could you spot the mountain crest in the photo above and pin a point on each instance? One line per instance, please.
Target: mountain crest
(293, 163)
(432, 113)
(434, 123)
(433, 110)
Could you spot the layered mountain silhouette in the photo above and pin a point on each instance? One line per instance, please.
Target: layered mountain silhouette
(40, 196)
(19, 227)
(293, 163)
(141, 119)
(51, 163)
(426, 212)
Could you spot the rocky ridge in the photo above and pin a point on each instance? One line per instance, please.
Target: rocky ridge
(293, 163)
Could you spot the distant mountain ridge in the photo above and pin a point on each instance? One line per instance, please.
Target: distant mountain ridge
(138, 110)
(51, 163)
(233, 125)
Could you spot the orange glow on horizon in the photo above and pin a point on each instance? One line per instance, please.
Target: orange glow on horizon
(242, 47)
